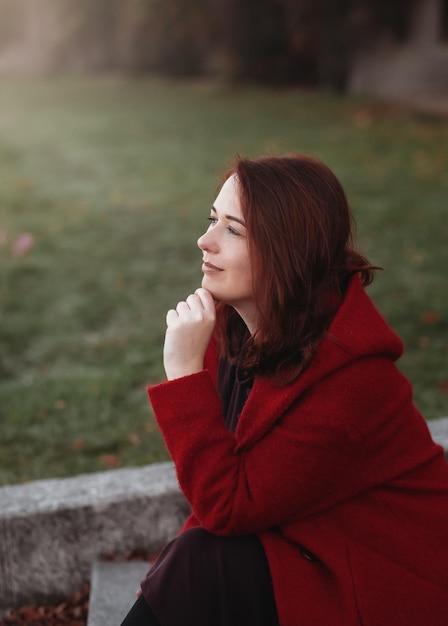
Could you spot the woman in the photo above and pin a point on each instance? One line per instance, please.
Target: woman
(318, 496)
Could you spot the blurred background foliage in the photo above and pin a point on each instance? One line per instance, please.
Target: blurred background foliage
(269, 41)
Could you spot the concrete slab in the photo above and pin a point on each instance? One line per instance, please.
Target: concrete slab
(51, 531)
(113, 590)
(439, 432)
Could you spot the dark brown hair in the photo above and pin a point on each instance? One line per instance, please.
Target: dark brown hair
(299, 230)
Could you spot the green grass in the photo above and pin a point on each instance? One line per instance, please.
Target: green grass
(114, 179)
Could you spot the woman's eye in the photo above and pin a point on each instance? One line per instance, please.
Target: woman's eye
(214, 220)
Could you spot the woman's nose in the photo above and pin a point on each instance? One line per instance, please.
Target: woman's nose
(201, 242)
(205, 241)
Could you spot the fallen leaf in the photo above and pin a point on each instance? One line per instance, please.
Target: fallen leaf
(430, 317)
(111, 460)
(424, 342)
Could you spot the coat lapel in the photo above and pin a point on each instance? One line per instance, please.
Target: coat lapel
(267, 403)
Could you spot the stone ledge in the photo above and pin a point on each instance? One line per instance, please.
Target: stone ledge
(51, 531)
(114, 591)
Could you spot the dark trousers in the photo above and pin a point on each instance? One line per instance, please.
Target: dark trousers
(140, 615)
(201, 579)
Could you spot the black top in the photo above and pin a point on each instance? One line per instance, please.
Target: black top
(234, 388)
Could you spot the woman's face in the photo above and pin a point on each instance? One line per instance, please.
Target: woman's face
(226, 264)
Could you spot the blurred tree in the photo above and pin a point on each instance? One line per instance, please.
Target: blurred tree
(346, 26)
(88, 34)
(179, 40)
(444, 25)
(307, 41)
(267, 41)
(168, 36)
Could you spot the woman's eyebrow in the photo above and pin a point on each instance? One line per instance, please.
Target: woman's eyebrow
(232, 217)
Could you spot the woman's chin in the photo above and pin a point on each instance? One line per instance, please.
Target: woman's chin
(207, 283)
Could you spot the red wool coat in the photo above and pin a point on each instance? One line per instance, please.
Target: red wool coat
(336, 473)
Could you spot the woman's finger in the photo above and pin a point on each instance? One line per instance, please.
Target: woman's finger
(194, 302)
(171, 316)
(182, 307)
(206, 299)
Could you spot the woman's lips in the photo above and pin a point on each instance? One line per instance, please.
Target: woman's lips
(208, 267)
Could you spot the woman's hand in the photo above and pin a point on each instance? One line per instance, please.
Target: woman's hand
(188, 333)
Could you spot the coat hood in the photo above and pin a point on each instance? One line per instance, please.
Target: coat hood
(358, 331)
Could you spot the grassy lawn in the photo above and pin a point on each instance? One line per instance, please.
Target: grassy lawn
(113, 179)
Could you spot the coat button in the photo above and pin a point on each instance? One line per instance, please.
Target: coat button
(309, 556)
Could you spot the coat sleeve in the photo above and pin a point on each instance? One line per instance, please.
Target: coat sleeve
(303, 464)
